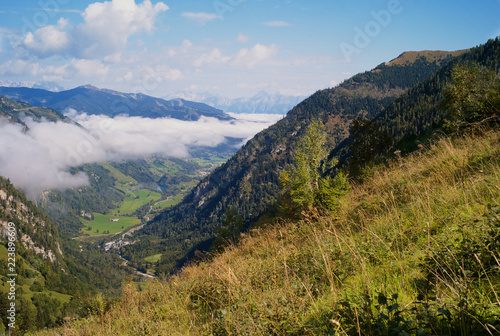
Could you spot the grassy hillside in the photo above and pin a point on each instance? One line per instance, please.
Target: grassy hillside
(431, 55)
(414, 250)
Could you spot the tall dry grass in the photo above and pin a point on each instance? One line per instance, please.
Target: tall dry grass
(324, 274)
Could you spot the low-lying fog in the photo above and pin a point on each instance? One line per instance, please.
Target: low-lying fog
(40, 158)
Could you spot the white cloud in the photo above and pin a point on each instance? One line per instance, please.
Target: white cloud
(56, 73)
(153, 77)
(257, 54)
(19, 68)
(214, 57)
(89, 68)
(105, 31)
(40, 159)
(201, 18)
(277, 24)
(108, 25)
(34, 165)
(168, 74)
(49, 39)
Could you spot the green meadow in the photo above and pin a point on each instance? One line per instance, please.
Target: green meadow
(136, 198)
(102, 223)
(154, 258)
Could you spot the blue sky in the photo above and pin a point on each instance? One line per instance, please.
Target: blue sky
(228, 47)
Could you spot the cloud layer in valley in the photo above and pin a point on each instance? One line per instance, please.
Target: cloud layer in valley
(40, 159)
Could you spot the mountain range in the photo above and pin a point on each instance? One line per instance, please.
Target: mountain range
(91, 100)
(44, 85)
(262, 102)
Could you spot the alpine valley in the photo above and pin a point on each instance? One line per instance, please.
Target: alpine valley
(371, 208)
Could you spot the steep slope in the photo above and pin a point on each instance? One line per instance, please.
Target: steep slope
(35, 232)
(91, 100)
(418, 110)
(36, 259)
(50, 272)
(248, 182)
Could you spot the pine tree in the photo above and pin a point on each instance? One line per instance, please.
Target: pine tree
(304, 181)
(301, 181)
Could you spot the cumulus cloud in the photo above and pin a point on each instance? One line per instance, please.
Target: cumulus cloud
(201, 18)
(40, 159)
(105, 31)
(213, 57)
(49, 39)
(89, 68)
(81, 68)
(108, 25)
(19, 68)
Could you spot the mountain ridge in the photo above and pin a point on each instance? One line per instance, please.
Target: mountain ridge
(431, 55)
(92, 100)
(16, 112)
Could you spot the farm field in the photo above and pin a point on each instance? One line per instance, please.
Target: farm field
(102, 224)
(143, 199)
(135, 199)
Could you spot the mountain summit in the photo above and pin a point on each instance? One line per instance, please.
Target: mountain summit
(438, 56)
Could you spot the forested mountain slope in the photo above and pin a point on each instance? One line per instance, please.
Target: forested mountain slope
(419, 109)
(248, 182)
(36, 259)
(52, 274)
